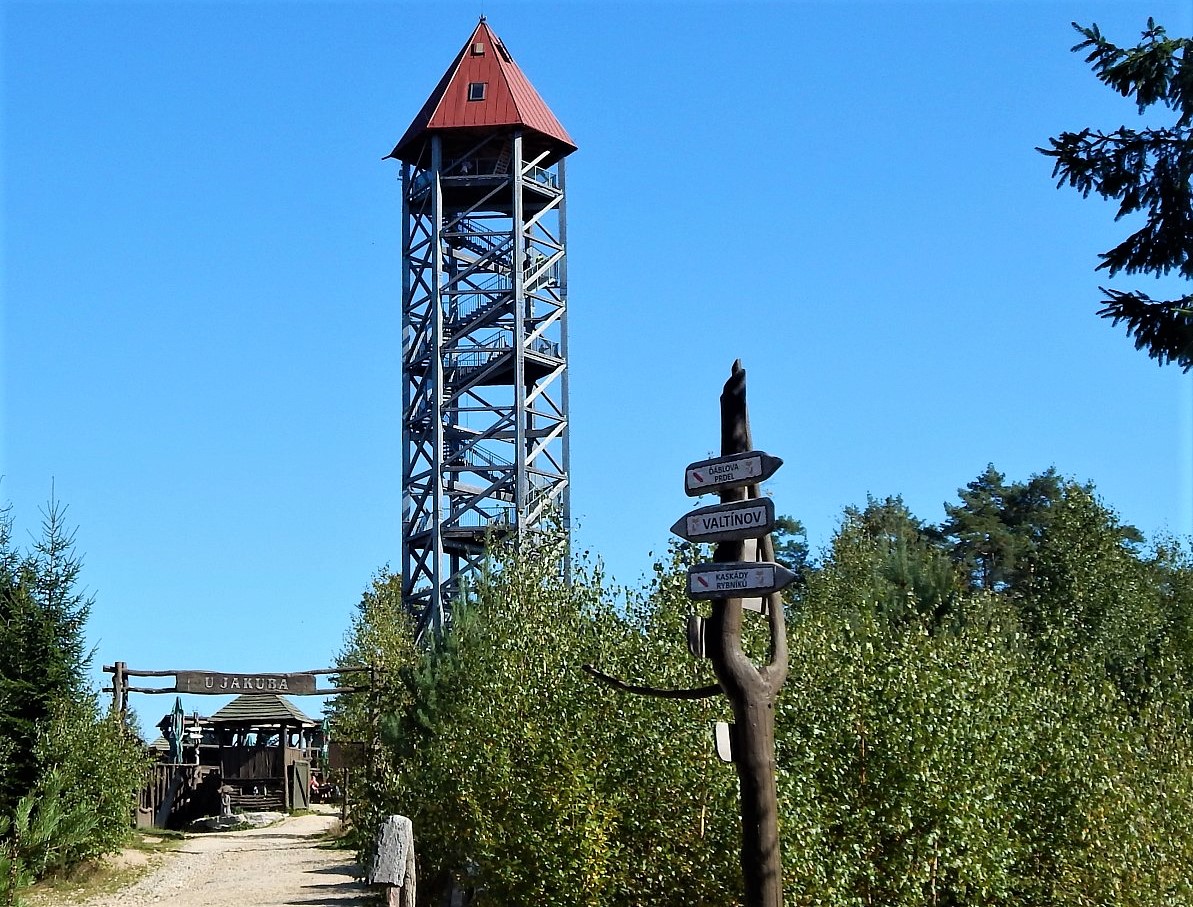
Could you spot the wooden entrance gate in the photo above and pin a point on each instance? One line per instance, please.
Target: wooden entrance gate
(257, 753)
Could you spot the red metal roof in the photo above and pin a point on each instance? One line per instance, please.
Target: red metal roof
(509, 98)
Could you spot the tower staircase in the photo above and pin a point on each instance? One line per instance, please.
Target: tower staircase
(503, 160)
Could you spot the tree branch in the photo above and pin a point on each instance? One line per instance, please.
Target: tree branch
(775, 673)
(1163, 328)
(698, 693)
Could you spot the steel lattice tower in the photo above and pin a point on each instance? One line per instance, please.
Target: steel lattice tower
(484, 322)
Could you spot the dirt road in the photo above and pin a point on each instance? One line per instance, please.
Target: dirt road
(278, 866)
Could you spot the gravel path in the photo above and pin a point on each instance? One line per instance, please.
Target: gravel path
(278, 866)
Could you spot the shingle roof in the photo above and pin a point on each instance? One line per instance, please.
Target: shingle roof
(267, 708)
(509, 98)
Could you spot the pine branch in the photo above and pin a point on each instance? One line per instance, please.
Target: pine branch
(1163, 328)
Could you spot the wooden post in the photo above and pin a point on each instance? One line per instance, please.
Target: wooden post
(374, 723)
(751, 691)
(119, 682)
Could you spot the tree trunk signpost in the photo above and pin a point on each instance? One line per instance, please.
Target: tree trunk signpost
(728, 582)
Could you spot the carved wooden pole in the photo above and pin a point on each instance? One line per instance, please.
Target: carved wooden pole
(751, 691)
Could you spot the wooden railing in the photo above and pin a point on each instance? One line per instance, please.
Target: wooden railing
(181, 785)
(250, 763)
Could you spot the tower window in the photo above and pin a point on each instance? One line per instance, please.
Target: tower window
(476, 91)
(478, 49)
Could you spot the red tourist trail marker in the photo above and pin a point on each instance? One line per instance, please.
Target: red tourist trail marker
(737, 580)
(732, 471)
(750, 519)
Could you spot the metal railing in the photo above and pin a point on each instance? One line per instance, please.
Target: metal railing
(465, 305)
(494, 348)
(544, 176)
(478, 456)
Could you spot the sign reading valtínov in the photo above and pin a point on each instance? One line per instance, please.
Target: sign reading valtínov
(738, 520)
(216, 683)
(734, 471)
(737, 579)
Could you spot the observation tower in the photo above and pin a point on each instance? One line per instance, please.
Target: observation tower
(484, 322)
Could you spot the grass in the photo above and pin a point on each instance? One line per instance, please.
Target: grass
(106, 875)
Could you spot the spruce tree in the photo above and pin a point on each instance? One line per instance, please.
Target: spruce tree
(1147, 170)
(43, 653)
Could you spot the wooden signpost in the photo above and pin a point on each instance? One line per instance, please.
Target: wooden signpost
(749, 741)
(740, 572)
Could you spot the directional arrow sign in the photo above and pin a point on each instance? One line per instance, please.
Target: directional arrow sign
(738, 520)
(723, 473)
(737, 580)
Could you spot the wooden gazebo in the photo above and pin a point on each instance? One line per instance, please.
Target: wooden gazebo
(266, 749)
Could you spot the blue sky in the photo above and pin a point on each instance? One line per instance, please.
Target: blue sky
(201, 278)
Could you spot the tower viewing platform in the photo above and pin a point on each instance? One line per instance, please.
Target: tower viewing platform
(484, 322)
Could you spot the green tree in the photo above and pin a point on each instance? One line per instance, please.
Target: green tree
(997, 525)
(43, 656)
(940, 742)
(1147, 170)
(791, 545)
(1172, 660)
(100, 763)
(996, 529)
(898, 561)
(529, 781)
(67, 774)
(380, 638)
(1088, 594)
(982, 764)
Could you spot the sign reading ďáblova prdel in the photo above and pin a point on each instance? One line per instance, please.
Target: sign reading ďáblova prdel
(732, 471)
(215, 683)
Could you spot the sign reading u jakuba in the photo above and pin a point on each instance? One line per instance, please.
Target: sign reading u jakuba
(213, 682)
